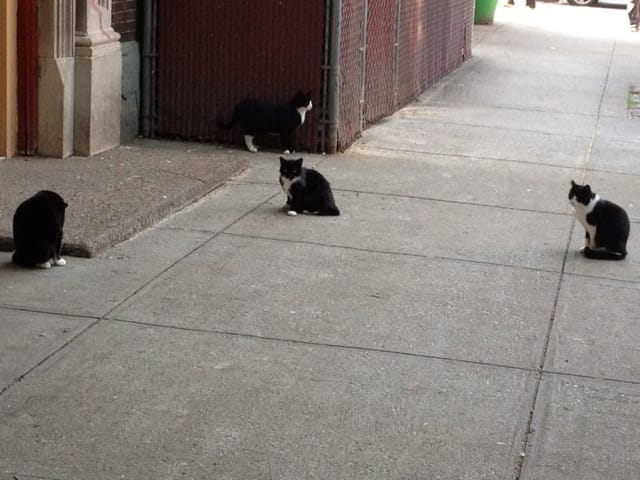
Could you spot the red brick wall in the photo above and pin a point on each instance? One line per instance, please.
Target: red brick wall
(124, 19)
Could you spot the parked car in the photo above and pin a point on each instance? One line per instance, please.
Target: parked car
(591, 3)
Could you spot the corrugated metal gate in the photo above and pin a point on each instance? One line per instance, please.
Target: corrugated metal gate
(211, 54)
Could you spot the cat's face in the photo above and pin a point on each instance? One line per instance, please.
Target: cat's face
(303, 100)
(580, 194)
(290, 168)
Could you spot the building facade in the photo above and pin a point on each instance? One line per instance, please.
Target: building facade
(8, 78)
(67, 91)
(81, 76)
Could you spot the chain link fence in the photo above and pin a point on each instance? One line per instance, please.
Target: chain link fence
(210, 55)
(391, 50)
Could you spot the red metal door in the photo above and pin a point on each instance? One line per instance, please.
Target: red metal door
(213, 54)
(27, 76)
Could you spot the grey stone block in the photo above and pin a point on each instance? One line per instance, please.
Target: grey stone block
(95, 286)
(479, 141)
(421, 227)
(129, 401)
(29, 337)
(596, 338)
(339, 296)
(222, 207)
(508, 184)
(584, 429)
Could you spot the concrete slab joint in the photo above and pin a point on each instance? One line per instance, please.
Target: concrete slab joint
(98, 77)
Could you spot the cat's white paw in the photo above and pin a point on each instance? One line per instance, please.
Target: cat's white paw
(248, 140)
(286, 152)
(292, 213)
(59, 262)
(582, 249)
(44, 265)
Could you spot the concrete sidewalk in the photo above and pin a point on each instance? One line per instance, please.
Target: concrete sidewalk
(443, 327)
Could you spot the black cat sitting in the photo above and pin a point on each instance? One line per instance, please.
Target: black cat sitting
(257, 118)
(606, 224)
(307, 190)
(37, 230)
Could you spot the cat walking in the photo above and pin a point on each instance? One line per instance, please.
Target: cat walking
(37, 230)
(257, 118)
(307, 190)
(606, 224)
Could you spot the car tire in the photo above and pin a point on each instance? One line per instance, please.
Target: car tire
(583, 3)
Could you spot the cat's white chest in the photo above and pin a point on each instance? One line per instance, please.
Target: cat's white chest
(302, 111)
(581, 212)
(286, 185)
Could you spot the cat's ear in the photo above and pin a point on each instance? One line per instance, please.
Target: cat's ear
(573, 184)
(587, 189)
(298, 161)
(282, 160)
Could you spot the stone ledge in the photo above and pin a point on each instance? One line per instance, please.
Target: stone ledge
(114, 195)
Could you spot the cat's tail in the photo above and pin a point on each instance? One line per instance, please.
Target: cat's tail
(227, 125)
(603, 254)
(231, 123)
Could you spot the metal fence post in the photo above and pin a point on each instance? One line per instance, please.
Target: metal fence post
(396, 57)
(329, 142)
(148, 69)
(363, 61)
(331, 77)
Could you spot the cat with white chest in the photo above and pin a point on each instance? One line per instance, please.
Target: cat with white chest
(258, 118)
(307, 190)
(37, 230)
(606, 224)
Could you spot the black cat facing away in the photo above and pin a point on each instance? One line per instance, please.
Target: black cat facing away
(37, 230)
(307, 190)
(606, 224)
(257, 118)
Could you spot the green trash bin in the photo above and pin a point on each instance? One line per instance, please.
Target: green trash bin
(484, 12)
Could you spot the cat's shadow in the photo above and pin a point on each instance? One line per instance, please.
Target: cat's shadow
(9, 266)
(279, 210)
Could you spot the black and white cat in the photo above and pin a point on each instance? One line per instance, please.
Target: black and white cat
(606, 224)
(306, 189)
(257, 118)
(37, 230)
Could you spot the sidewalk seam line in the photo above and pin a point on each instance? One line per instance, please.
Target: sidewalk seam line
(21, 377)
(321, 344)
(384, 252)
(543, 358)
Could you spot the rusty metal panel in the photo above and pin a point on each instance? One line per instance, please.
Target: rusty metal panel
(379, 71)
(412, 51)
(449, 23)
(27, 76)
(434, 39)
(351, 71)
(211, 54)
